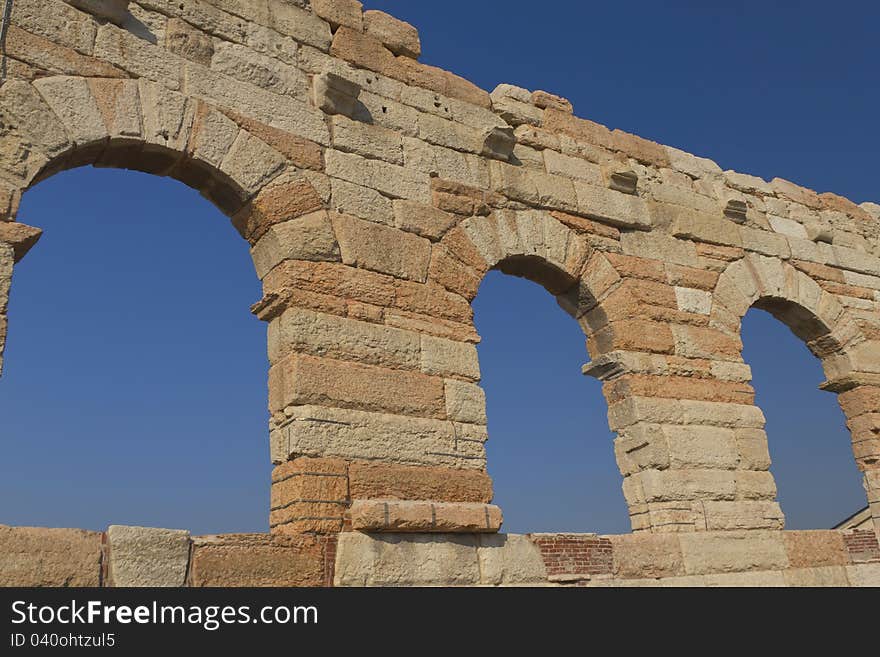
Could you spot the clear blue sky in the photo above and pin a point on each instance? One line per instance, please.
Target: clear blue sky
(135, 381)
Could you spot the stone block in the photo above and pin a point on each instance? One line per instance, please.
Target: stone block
(23, 107)
(423, 516)
(510, 560)
(73, 103)
(35, 556)
(815, 548)
(646, 555)
(723, 552)
(251, 162)
(390, 179)
(183, 39)
(422, 219)
(819, 576)
(375, 480)
(382, 249)
(399, 37)
(320, 334)
(366, 140)
(864, 574)
(301, 379)
(406, 560)
(465, 402)
(355, 200)
(340, 12)
(309, 237)
(257, 560)
(143, 556)
(345, 433)
(449, 358)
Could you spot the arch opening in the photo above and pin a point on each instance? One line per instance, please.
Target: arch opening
(818, 483)
(134, 374)
(550, 452)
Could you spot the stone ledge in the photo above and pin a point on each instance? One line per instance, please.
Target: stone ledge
(423, 516)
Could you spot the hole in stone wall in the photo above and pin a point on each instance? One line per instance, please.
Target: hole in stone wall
(816, 476)
(134, 389)
(550, 451)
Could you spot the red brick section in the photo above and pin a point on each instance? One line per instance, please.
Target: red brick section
(330, 543)
(862, 545)
(574, 556)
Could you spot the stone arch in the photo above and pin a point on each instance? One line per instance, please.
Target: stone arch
(538, 246)
(61, 122)
(848, 356)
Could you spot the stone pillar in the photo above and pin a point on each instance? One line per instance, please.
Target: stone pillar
(690, 441)
(861, 406)
(15, 241)
(370, 400)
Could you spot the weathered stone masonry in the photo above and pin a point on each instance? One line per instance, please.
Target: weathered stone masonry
(375, 192)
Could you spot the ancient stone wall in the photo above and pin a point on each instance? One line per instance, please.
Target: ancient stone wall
(375, 192)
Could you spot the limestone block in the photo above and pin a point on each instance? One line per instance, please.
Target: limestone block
(213, 135)
(382, 249)
(320, 334)
(752, 447)
(545, 100)
(465, 402)
(741, 514)
(301, 379)
(183, 39)
(815, 548)
(366, 140)
(309, 237)
(57, 21)
(510, 560)
(345, 433)
(864, 574)
(406, 560)
(720, 552)
(71, 100)
(142, 556)
(399, 37)
(340, 12)
(35, 556)
(646, 555)
(690, 300)
(168, 116)
(659, 247)
(748, 184)
(692, 165)
(348, 198)
(438, 162)
(294, 116)
(257, 560)
(335, 94)
(139, 58)
(423, 516)
(812, 577)
(390, 179)
(20, 237)
(251, 162)
(304, 26)
(422, 219)
(376, 480)
(761, 579)
(449, 358)
(690, 484)
(119, 103)
(514, 111)
(24, 108)
(260, 70)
